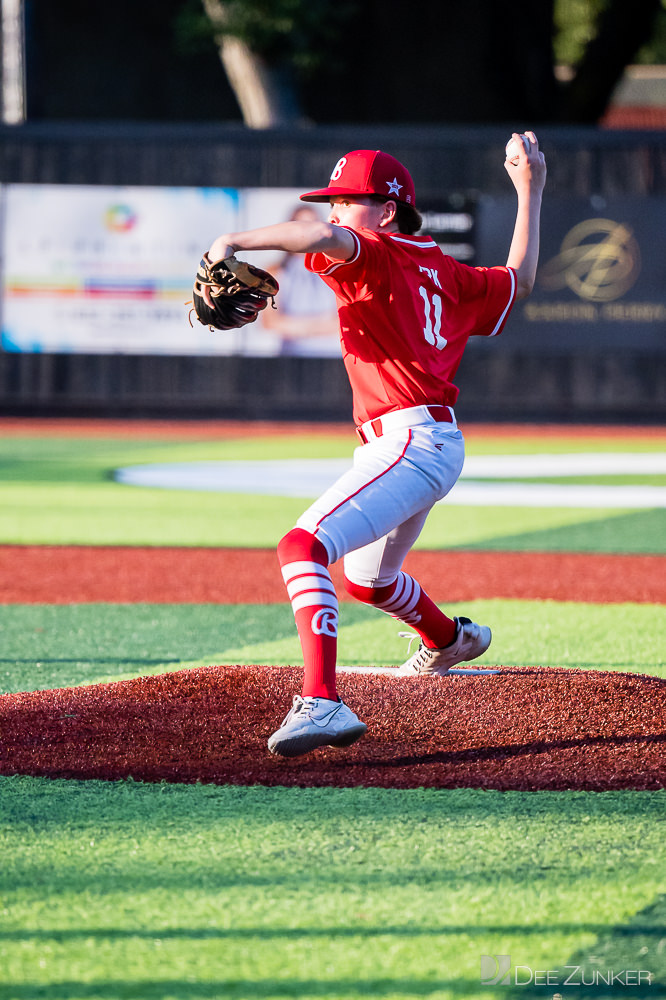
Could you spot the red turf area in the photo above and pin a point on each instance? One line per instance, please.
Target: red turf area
(533, 728)
(524, 728)
(59, 574)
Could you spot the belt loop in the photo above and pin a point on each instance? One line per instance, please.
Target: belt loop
(371, 429)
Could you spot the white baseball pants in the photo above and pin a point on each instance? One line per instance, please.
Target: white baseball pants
(373, 514)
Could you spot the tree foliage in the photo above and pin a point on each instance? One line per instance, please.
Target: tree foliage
(575, 26)
(620, 31)
(459, 61)
(299, 34)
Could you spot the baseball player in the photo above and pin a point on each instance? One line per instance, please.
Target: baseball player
(406, 311)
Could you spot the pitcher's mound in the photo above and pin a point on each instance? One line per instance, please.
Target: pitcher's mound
(523, 728)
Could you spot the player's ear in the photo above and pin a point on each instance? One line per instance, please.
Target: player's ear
(389, 212)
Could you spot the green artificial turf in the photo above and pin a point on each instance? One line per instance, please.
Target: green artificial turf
(111, 514)
(61, 491)
(47, 646)
(125, 890)
(545, 529)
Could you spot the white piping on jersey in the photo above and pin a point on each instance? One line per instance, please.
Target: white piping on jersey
(512, 296)
(422, 246)
(341, 263)
(413, 243)
(394, 236)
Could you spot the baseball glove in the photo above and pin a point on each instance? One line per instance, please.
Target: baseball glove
(230, 293)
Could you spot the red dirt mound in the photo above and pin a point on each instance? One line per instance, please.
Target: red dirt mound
(524, 728)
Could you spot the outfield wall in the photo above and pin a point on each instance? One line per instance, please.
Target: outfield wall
(570, 353)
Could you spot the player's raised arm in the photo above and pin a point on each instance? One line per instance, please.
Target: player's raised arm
(527, 170)
(293, 237)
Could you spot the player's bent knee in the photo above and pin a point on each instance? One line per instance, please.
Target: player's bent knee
(299, 544)
(368, 595)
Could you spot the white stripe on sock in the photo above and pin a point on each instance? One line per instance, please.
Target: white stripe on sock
(301, 568)
(404, 600)
(313, 582)
(309, 584)
(311, 597)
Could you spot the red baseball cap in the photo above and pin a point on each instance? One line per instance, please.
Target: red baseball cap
(364, 172)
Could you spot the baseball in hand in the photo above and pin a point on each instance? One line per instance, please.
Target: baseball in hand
(512, 149)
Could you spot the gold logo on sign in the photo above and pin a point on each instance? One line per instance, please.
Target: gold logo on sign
(599, 260)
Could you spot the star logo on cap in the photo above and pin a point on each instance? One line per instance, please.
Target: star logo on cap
(393, 186)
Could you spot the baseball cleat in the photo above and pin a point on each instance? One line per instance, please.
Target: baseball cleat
(316, 722)
(471, 641)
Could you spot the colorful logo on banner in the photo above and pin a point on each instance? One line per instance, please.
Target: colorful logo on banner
(599, 260)
(119, 218)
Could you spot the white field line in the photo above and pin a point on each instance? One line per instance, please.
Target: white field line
(309, 477)
(453, 672)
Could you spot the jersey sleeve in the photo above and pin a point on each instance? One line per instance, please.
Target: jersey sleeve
(478, 299)
(489, 294)
(367, 247)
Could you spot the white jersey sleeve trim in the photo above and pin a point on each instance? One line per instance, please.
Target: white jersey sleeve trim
(334, 265)
(414, 243)
(512, 297)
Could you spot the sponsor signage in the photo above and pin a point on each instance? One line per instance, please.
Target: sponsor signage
(602, 273)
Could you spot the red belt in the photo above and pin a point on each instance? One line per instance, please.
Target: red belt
(412, 416)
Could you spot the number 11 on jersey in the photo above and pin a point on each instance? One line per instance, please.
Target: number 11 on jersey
(433, 318)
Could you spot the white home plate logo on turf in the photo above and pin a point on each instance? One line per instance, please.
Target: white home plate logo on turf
(477, 486)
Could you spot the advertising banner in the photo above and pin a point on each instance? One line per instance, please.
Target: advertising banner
(105, 269)
(304, 320)
(601, 279)
(93, 269)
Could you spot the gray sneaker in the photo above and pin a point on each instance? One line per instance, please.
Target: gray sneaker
(471, 641)
(316, 722)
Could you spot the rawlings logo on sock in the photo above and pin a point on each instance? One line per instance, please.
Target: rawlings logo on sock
(325, 622)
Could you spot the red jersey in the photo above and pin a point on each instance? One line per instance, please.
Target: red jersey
(406, 312)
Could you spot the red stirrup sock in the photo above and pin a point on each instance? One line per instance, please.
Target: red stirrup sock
(304, 563)
(405, 601)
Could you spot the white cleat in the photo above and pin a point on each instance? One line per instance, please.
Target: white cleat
(316, 722)
(471, 641)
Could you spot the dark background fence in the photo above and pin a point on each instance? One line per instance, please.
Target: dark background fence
(501, 380)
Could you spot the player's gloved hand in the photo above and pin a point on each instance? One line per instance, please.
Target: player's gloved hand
(230, 293)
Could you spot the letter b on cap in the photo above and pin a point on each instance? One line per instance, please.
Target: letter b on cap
(338, 168)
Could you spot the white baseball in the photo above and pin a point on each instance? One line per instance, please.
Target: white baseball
(512, 148)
